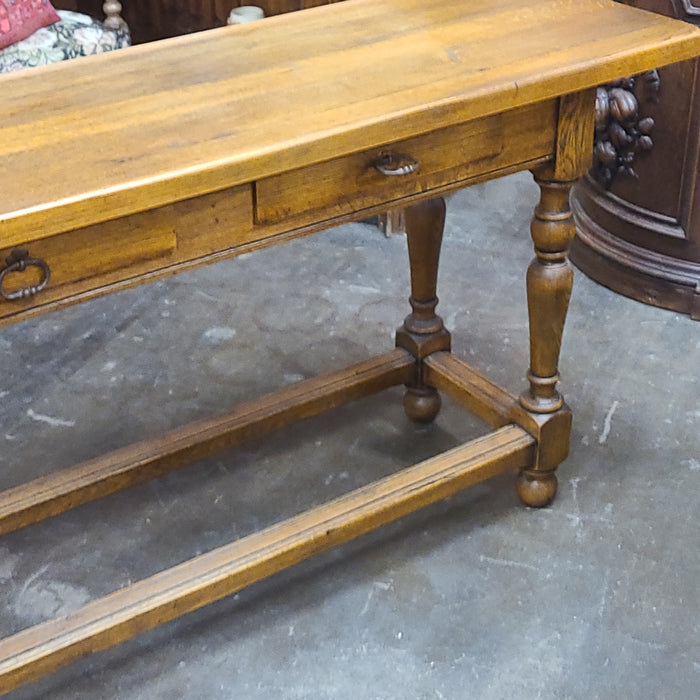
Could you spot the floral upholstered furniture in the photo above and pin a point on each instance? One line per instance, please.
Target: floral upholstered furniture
(73, 35)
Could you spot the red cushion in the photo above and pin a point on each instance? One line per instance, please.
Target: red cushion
(20, 18)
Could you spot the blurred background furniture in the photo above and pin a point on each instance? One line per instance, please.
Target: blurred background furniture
(75, 34)
(638, 213)
(159, 19)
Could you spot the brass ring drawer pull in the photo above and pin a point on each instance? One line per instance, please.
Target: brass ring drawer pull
(392, 164)
(18, 261)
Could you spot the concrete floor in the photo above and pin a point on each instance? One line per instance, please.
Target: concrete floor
(476, 597)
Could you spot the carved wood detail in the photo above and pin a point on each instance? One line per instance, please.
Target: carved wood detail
(622, 133)
(640, 235)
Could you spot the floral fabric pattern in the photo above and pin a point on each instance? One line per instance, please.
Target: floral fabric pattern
(75, 35)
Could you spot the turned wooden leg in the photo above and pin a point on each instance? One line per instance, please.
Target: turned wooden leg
(423, 331)
(549, 283)
(392, 222)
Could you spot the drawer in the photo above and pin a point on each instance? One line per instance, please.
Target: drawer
(95, 259)
(430, 161)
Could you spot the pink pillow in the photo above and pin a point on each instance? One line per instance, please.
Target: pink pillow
(20, 18)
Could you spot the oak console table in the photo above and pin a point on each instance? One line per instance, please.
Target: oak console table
(121, 168)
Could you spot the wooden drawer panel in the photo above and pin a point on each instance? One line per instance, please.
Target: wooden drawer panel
(86, 261)
(456, 153)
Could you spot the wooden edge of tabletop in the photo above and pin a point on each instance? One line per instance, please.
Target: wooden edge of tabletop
(665, 42)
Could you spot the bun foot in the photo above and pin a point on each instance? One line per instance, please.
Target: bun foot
(536, 489)
(422, 404)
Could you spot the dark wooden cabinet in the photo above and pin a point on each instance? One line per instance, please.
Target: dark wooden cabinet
(640, 235)
(159, 19)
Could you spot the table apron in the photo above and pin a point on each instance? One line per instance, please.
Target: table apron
(124, 252)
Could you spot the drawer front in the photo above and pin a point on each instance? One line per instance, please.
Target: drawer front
(426, 162)
(91, 260)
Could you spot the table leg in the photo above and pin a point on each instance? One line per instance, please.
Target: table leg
(392, 221)
(549, 283)
(423, 331)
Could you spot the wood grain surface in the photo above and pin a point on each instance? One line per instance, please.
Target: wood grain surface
(104, 138)
(91, 140)
(209, 577)
(59, 491)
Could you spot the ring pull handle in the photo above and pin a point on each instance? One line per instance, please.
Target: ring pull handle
(18, 261)
(393, 164)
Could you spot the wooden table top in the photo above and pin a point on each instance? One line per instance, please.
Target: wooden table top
(97, 138)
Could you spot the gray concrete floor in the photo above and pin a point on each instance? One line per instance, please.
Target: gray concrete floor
(476, 597)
